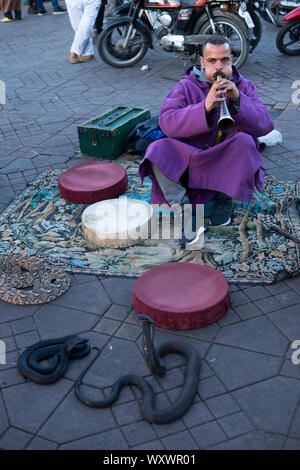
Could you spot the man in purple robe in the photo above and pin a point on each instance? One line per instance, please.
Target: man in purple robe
(190, 166)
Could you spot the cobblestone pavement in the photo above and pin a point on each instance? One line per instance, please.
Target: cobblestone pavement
(248, 395)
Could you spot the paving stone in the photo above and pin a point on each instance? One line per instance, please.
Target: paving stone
(138, 433)
(5, 330)
(248, 311)
(120, 290)
(41, 444)
(255, 440)
(295, 429)
(288, 298)
(222, 405)
(117, 312)
(73, 420)
(236, 424)
(112, 440)
(268, 304)
(292, 444)
(4, 181)
(14, 439)
(257, 334)
(130, 332)
(238, 298)
(21, 326)
(238, 368)
(84, 278)
(9, 377)
(19, 164)
(290, 370)
(210, 387)
(107, 326)
(25, 408)
(229, 318)
(287, 320)
(180, 441)
(6, 194)
(27, 339)
(3, 417)
(208, 435)
(256, 292)
(152, 445)
(91, 298)
(10, 312)
(10, 344)
(127, 413)
(11, 360)
(275, 413)
(53, 321)
(277, 287)
(294, 283)
(197, 414)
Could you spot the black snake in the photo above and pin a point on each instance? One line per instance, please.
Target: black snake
(154, 360)
(58, 351)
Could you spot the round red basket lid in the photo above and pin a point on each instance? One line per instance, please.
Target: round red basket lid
(181, 296)
(91, 182)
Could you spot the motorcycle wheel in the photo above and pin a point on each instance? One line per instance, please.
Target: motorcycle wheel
(111, 45)
(288, 38)
(235, 31)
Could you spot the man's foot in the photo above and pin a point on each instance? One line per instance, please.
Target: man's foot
(59, 11)
(73, 58)
(42, 13)
(222, 212)
(86, 58)
(6, 20)
(191, 237)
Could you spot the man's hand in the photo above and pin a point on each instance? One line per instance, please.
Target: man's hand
(218, 88)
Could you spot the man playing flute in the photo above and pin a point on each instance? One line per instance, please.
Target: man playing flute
(194, 163)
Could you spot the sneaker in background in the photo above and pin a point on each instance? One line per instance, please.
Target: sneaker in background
(42, 13)
(59, 11)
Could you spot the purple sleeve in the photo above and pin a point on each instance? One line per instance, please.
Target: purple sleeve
(179, 119)
(253, 117)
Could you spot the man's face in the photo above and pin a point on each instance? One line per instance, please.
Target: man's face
(217, 57)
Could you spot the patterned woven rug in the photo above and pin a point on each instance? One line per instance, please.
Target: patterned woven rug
(41, 223)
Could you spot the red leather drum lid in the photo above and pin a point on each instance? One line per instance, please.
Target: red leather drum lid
(181, 296)
(91, 182)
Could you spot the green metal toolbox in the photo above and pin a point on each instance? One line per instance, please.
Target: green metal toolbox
(105, 135)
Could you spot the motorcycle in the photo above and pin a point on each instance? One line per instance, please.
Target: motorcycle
(288, 37)
(179, 27)
(279, 8)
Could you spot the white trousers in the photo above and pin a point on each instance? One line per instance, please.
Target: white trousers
(82, 14)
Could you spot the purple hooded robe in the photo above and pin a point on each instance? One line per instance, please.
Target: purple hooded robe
(233, 166)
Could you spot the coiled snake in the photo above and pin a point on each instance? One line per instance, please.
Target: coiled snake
(26, 280)
(154, 360)
(59, 351)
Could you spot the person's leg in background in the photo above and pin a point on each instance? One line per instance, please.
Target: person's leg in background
(40, 7)
(85, 29)
(57, 9)
(75, 12)
(18, 10)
